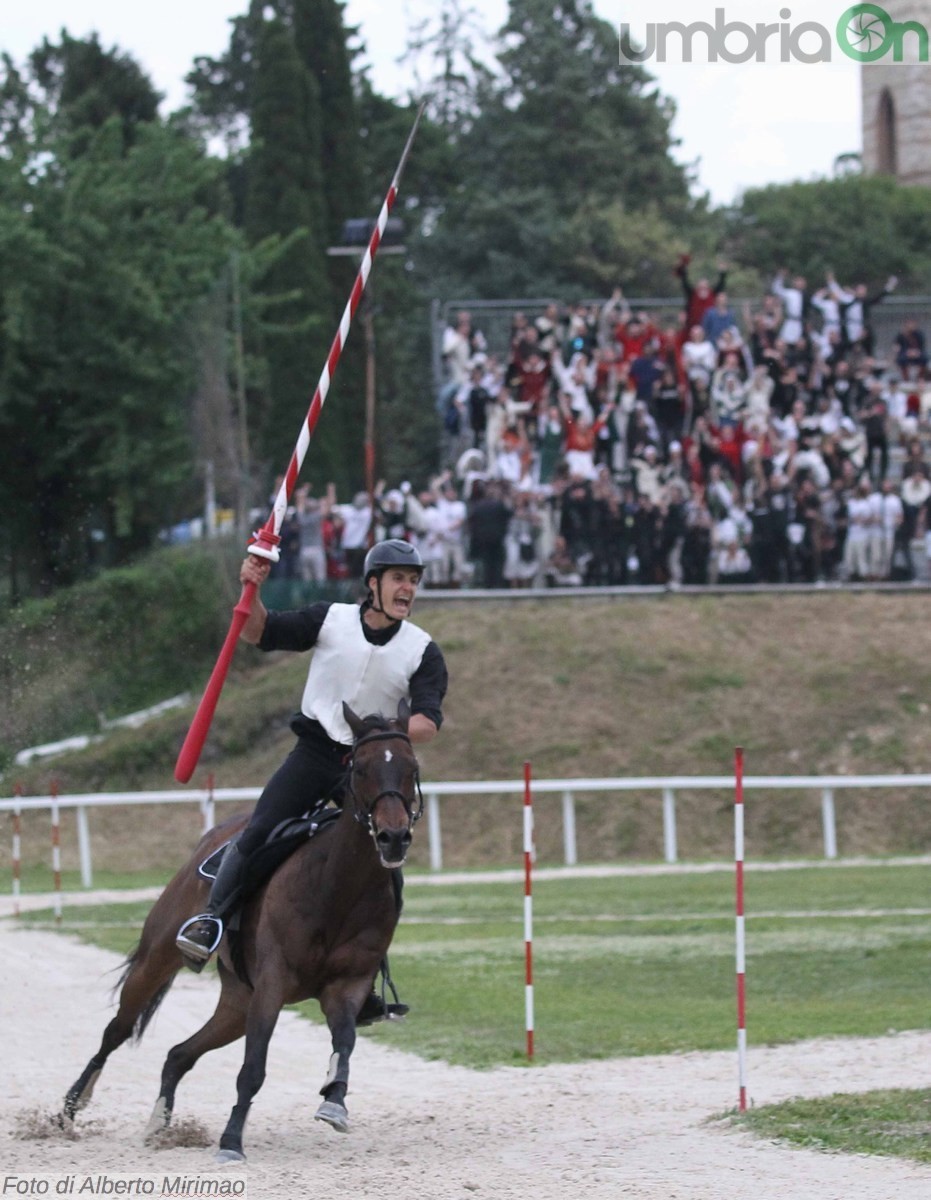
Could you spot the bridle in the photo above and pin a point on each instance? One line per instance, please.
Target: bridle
(412, 806)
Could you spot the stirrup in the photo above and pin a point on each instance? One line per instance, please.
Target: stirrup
(196, 955)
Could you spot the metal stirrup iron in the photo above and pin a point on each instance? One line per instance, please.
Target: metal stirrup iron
(198, 952)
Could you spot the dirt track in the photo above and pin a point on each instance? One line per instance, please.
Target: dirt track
(632, 1127)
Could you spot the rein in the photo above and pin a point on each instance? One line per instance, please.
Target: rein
(412, 806)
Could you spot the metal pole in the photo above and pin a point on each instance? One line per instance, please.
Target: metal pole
(368, 324)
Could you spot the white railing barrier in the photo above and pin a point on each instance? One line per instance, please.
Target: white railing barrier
(207, 798)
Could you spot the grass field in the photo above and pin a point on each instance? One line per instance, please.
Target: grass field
(893, 1122)
(641, 964)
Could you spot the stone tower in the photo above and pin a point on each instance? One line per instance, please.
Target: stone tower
(897, 106)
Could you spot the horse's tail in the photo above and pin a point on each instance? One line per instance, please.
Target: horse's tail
(141, 1024)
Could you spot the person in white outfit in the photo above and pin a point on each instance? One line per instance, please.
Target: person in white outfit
(891, 516)
(793, 304)
(859, 523)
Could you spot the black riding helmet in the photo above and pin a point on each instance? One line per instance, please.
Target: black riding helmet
(394, 552)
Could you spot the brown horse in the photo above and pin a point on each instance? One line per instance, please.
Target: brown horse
(319, 929)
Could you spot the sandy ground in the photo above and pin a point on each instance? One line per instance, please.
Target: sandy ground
(631, 1127)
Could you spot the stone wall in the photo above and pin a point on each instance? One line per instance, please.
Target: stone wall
(909, 88)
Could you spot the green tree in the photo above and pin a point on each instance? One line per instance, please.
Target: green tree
(861, 227)
(286, 79)
(566, 115)
(103, 254)
(84, 86)
(563, 132)
(320, 38)
(285, 195)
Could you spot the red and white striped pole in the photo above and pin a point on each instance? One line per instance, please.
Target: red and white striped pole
(528, 908)
(56, 849)
(741, 945)
(267, 538)
(17, 850)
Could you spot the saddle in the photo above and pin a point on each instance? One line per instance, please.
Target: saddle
(280, 844)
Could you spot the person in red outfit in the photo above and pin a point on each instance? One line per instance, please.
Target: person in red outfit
(698, 297)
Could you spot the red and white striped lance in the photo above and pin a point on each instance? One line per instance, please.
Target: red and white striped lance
(741, 943)
(268, 537)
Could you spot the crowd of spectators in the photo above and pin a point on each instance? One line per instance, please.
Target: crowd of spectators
(606, 449)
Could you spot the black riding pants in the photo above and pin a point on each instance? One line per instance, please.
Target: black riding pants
(309, 776)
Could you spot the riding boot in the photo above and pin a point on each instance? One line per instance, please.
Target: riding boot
(199, 936)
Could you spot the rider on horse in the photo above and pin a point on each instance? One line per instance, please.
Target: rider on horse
(369, 656)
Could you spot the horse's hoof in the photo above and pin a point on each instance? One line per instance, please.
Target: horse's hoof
(333, 1114)
(159, 1120)
(229, 1156)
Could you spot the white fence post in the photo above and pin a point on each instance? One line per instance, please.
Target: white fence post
(434, 832)
(570, 850)
(84, 848)
(670, 846)
(208, 809)
(828, 823)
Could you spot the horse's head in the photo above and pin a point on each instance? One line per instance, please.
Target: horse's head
(384, 781)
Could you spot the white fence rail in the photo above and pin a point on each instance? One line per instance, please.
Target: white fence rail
(823, 785)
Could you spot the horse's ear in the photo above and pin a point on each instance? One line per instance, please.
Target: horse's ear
(404, 713)
(356, 724)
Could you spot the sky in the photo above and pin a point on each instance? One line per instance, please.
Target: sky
(743, 125)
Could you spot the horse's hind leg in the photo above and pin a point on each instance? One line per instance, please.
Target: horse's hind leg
(147, 979)
(227, 1023)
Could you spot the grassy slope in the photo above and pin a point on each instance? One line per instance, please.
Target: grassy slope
(630, 686)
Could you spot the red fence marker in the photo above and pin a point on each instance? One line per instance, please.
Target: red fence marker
(17, 850)
(528, 908)
(56, 849)
(741, 945)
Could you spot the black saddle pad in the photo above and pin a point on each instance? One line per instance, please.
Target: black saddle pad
(283, 840)
(282, 843)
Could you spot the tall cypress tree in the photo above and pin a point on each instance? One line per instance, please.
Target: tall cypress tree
(285, 195)
(263, 76)
(321, 40)
(320, 37)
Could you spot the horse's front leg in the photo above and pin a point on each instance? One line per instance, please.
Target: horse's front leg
(340, 1006)
(260, 1025)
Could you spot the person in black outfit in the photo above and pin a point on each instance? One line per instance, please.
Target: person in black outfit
(487, 520)
(370, 656)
